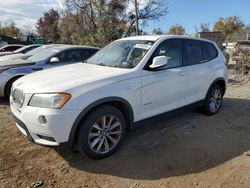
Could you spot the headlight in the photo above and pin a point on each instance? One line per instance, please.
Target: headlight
(49, 100)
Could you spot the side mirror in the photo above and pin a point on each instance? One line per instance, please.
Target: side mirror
(159, 61)
(54, 60)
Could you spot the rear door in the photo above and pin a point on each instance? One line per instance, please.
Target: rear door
(198, 70)
(164, 89)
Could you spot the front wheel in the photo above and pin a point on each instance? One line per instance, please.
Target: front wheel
(101, 133)
(213, 101)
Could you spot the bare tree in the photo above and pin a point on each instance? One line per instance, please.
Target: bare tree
(149, 11)
(157, 31)
(98, 22)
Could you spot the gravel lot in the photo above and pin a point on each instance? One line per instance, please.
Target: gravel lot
(188, 149)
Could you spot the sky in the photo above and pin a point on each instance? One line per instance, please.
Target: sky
(26, 12)
(189, 13)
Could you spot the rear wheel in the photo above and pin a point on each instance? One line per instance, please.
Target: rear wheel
(213, 100)
(102, 131)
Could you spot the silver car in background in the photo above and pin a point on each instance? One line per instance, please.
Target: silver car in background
(58, 55)
(27, 54)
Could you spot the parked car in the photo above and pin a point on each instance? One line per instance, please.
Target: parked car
(90, 105)
(9, 48)
(49, 58)
(25, 55)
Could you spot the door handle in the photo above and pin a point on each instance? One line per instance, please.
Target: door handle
(182, 73)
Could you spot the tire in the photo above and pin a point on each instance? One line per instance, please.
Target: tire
(213, 101)
(8, 87)
(98, 141)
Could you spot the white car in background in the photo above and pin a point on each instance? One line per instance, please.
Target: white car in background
(20, 53)
(91, 105)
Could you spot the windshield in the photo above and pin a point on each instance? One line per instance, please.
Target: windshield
(43, 55)
(36, 50)
(122, 54)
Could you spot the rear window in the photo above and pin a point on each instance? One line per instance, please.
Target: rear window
(212, 51)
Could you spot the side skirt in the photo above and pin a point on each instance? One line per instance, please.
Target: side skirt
(170, 113)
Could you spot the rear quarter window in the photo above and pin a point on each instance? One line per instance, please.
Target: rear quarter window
(212, 51)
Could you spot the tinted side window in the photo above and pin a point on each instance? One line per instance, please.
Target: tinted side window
(212, 51)
(193, 51)
(29, 49)
(71, 56)
(86, 53)
(171, 48)
(12, 48)
(8, 49)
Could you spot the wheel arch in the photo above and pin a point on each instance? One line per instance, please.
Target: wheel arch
(10, 80)
(220, 81)
(120, 103)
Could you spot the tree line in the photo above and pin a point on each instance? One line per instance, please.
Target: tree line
(232, 28)
(97, 22)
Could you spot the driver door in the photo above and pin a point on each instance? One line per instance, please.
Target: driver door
(165, 88)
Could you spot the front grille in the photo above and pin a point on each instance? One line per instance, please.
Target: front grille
(18, 97)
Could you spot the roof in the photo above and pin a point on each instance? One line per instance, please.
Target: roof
(66, 46)
(143, 37)
(33, 45)
(157, 37)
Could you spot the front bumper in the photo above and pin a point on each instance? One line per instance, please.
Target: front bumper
(53, 133)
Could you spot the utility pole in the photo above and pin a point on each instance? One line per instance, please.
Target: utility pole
(136, 18)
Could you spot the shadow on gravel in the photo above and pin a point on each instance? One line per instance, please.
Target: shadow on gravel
(188, 142)
(4, 101)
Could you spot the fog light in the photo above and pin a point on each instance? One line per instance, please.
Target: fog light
(42, 119)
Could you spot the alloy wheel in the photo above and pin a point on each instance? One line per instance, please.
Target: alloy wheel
(105, 134)
(215, 100)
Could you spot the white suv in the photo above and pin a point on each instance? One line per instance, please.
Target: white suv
(90, 105)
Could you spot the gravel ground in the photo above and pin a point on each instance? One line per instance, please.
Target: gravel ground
(187, 149)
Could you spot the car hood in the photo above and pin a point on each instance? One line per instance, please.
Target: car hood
(13, 57)
(68, 77)
(14, 63)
